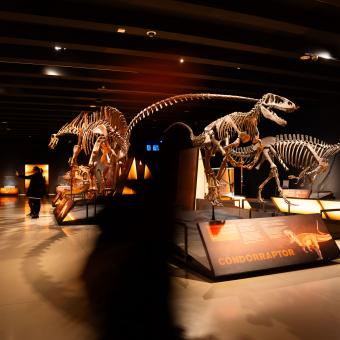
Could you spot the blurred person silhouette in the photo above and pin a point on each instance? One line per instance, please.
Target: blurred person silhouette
(36, 190)
(126, 275)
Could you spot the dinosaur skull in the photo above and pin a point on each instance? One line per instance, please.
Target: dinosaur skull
(53, 141)
(272, 101)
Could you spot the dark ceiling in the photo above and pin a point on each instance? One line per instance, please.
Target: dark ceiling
(239, 47)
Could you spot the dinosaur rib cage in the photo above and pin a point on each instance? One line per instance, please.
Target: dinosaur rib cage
(291, 149)
(294, 150)
(241, 120)
(90, 136)
(113, 120)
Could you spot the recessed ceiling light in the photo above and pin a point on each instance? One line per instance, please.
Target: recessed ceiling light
(151, 34)
(59, 48)
(181, 60)
(238, 68)
(314, 56)
(92, 105)
(4, 122)
(324, 55)
(305, 57)
(51, 71)
(309, 56)
(121, 30)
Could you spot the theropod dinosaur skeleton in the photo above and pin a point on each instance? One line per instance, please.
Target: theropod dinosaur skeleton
(103, 130)
(240, 125)
(305, 153)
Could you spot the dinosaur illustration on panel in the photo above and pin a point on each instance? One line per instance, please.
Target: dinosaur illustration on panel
(307, 154)
(228, 132)
(309, 242)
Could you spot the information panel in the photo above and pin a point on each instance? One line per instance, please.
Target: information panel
(238, 246)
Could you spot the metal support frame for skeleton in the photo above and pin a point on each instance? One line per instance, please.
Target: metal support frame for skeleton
(305, 153)
(239, 125)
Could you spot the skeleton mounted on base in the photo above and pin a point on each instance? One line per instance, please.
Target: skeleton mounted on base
(103, 131)
(307, 154)
(238, 127)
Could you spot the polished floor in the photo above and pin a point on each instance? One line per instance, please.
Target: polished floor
(42, 295)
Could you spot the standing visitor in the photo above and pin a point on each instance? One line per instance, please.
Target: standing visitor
(36, 190)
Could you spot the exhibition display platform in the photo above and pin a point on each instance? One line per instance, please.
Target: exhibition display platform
(42, 297)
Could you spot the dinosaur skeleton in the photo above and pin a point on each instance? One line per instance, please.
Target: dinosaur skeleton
(105, 131)
(241, 127)
(305, 153)
(108, 132)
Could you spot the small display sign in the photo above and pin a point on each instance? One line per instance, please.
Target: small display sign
(238, 246)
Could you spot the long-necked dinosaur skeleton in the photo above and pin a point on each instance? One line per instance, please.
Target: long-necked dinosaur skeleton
(229, 131)
(305, 153)
(103, 130)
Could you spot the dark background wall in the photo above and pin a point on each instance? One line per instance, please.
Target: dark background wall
(18, 153)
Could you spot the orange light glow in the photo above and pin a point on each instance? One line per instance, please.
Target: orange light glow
(309, 206)
(147, 172)
(133, 170)
(298, 205)
(69, 217)
(240, 201)
(128, 191)
(29, 171)
(215, 229)
(9, 190)
(333, 215)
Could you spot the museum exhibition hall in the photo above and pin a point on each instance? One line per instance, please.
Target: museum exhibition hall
(170, 170)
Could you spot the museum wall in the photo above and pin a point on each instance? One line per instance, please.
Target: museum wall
(33, 152)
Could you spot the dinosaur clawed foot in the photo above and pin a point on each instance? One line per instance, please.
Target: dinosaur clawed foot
(213, 197)
(260, 199)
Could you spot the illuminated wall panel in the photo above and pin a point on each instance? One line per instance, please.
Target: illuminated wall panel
(308, 206)
(29, 171)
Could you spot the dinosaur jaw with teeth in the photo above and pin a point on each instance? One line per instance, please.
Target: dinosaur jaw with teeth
(269, 114)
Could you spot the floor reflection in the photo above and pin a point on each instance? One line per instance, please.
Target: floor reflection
(8, 200)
